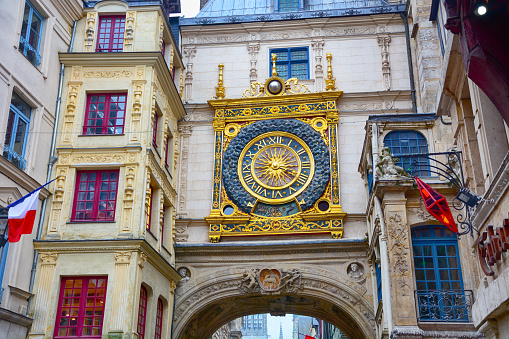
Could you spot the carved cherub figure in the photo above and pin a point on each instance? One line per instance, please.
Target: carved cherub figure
(249, 279)
(386, 167)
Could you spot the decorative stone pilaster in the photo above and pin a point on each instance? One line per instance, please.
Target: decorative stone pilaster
(42, 296)
(317, 46)
(138, 90)
(400, 262)
(70, 111)
(90, 32)
(130, 18)
(55, 219)
(161, 35)
(128, 203)
(184, 132)
(161, 218)
(253, 49)
(189, 53)
(383, 42)
(120, 302)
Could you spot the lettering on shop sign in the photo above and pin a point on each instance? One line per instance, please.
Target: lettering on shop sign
(491, 244)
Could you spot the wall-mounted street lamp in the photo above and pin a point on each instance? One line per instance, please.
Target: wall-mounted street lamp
(480, 7)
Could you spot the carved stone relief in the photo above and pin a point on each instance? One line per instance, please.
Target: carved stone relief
(130, 17)
(317, 46)
(356, 272)
(185, 132)
(90, 32)
(253, 49)
(189, 53)
(383, 42)
(399, 249)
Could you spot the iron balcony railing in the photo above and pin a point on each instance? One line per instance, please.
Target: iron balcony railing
(444, 305)
(14, 157)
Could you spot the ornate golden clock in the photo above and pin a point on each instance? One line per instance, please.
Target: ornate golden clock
(275, 162)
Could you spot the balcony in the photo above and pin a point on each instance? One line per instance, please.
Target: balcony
(444, 305)
(14, 157)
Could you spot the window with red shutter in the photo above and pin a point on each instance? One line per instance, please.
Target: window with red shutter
(81, 307)
(95, 196)
(159, 319)
(105, 114)
(142, 313)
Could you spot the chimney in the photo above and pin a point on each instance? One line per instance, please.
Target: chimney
(203, 3)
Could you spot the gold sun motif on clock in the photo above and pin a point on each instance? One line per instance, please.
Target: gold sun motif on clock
(276, 166)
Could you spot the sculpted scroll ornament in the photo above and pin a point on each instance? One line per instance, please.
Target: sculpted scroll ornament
(271, 281)
(399, 248)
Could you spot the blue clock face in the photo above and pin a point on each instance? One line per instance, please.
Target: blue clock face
(276, 168)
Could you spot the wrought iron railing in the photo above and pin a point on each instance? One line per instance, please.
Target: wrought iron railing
(444, 305)
(14, 157)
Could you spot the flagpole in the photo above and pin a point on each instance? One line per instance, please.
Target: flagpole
(25, 196)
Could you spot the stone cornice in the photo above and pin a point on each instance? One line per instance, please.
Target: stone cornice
(21, 178)
(69, 10)
(15, 318)
(351, 14)
(110, 245)
(270, 247)
(151, 59)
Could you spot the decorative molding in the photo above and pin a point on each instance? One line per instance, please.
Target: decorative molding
(98, 158)
(189, 53)
(138, 86)
(383, 42)
(317, 46)
(120, 73)
(122, 257)
(399, 249)
(184, 132)
(49, 258)
(253, 49)
(70, 110)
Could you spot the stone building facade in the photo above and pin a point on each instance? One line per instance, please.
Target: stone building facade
(106, 265)
(33, 32)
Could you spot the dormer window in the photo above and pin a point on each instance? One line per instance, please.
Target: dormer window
(288, 5)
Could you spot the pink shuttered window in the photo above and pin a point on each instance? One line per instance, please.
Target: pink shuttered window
(111, 34)
(159, 319)
(81, 307)
(95, 196)
(168, 141)
(162, 227)
(105, 114)
(142, 313)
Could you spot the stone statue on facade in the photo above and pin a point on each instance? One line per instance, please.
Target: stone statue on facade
(386, 167)
(355, 271)
(184, 272)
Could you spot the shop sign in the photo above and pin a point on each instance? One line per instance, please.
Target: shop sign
(491, 244)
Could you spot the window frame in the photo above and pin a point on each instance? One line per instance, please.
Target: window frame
(169, 141)
(154, 131)
(289, 62)
(292, 10)
(82, 306)
(107, 109)
(434, 242)
(142, 313)
(8, 150)
(97, 192)
(159, 319)
(397, 150)
(24, 41)
(111, 39)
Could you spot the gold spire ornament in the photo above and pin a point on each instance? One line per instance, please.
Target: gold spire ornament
(220, 88)
(274, 70)
(330, 82)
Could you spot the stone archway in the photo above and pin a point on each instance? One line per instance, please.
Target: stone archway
(210, 300)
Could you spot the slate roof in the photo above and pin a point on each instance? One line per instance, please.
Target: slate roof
(220, 8)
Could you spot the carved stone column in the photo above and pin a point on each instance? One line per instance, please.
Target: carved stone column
(90, 32)
(120, 304)
(317, 46)
(189, 53)
(400, 261)
(70, 111)
(128, 203)
(42, 296)
(138, 92)
(253, 49)
(184, 132)
(130, 18)
(383, 42)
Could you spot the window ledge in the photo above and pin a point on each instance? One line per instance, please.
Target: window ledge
(100, 135)
(92, 222)
(446, 326)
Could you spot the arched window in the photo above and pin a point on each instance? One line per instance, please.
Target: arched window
(159, 319)
(142, 313)
(439, 283)
(409, 142)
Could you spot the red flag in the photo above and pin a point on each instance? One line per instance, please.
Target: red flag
(436, 204)
(309, 337)
(22, 216)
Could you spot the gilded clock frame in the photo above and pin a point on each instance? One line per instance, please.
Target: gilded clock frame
(319, 111)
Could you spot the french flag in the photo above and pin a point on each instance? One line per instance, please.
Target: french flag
(22, 216)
